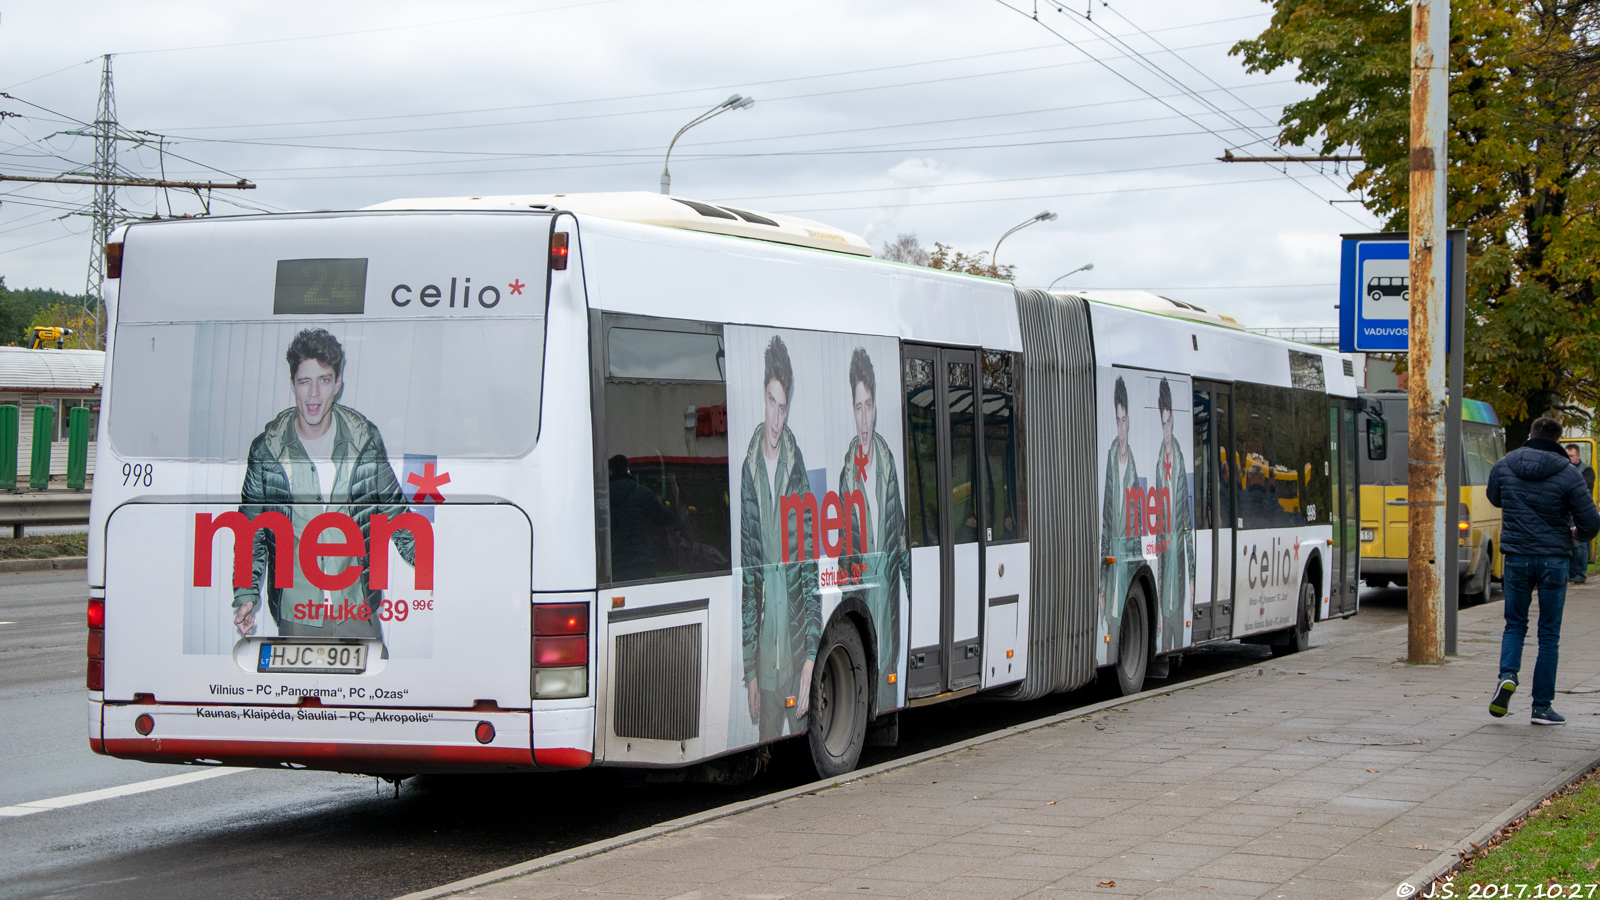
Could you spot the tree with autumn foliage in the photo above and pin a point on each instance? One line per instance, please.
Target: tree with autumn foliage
(907, 249)
(1523, 138)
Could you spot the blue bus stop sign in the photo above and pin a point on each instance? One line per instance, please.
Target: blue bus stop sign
(1375, 292)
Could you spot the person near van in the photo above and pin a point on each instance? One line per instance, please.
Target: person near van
(318, 455)
(1580, 549)
(869, 468)
(781, 611)
(1539, 492)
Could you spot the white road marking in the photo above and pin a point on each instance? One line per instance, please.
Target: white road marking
(138, 787)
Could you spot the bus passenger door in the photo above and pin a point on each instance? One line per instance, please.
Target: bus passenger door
(944, 521)
(1344, 594)
(1216, 479)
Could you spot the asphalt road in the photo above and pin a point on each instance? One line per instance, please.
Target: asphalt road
(312, 835)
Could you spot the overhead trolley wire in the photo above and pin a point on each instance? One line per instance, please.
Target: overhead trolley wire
(1151, 65)
(1142, 89)
(695, 90)
(1128, 190)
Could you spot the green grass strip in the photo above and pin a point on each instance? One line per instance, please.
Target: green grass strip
(45, 546)
(1553, 845)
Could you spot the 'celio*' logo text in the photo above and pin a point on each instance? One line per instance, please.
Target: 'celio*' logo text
(312, 548)
(431, 295)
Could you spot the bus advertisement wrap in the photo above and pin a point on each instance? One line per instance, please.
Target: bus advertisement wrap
(325, 516)
(818, 513)
(1147, 505)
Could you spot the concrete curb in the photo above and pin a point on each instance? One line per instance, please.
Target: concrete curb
(732, 809)
(43, 565)
(1449, 861)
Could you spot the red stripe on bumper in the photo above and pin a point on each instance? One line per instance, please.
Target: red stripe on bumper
(562, 757)
(364, 758)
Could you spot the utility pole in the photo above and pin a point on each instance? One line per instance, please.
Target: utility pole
(1428, 508)
(105, 201)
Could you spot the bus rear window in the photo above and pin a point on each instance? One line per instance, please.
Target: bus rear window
(230, 334)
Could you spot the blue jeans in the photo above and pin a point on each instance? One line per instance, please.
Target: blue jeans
(1522, 575)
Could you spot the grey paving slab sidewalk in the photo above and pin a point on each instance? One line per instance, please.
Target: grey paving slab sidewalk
(1217, 791)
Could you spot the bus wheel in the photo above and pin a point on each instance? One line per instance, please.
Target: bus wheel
(1298, 638)
(1133, 642)
(837, 721)
(1475, 586)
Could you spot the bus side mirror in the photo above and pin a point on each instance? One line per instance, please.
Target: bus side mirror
(1377, 439)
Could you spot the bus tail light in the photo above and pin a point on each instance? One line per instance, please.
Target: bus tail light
(558, 250)
(96, 678)
(560, 650)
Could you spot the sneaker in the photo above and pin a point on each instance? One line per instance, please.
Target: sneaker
(1547, 716)
(1502, 697)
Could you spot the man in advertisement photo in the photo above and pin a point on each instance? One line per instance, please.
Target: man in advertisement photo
(1119, 535)
(318, 456)
(1175, 562)
(869, 467)
(781, 609)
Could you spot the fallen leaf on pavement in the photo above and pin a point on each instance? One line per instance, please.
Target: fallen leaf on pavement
(1049, 803)
(1108, 884)
(1372, 770)
(1422, 846)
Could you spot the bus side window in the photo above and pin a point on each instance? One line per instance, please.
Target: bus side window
(665, 449)
(922, 478)
(1004, 454)
(1377, 439)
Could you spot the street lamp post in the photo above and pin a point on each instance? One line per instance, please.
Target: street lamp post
(1046, 216)
(1083, 268)
(734, 102)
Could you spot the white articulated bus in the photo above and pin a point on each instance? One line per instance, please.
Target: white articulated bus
(545, 482)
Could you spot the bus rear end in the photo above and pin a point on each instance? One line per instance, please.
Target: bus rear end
(310, 541)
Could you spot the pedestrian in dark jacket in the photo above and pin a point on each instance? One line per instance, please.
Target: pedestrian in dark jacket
(1580, 549)
(1544, 500)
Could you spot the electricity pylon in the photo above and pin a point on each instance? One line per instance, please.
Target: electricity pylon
(105, 201)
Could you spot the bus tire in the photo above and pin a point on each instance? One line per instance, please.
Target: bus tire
(1133, 641)
(1298, 638)
(1475, 584)
(836, 726)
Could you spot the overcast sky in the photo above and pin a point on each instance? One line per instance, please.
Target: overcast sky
(953, 119)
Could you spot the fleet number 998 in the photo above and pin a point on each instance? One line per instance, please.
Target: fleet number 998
(138, 474)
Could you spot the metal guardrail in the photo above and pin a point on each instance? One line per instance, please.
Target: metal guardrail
(1321, 335)
(45, 508)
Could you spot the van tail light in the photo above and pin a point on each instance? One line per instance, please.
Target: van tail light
(558, 250)
(1464, 523)
(560, 650)
(96, 678)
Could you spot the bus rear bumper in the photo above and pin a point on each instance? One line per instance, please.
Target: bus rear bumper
(1382, 565)
(366, 741)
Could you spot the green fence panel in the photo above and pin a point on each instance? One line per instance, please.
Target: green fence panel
(9, 423)
(44, 434)
(77, 447)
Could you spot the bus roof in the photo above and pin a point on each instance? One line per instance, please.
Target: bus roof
(1478, 411)
(660, 209)
(1166, 306)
